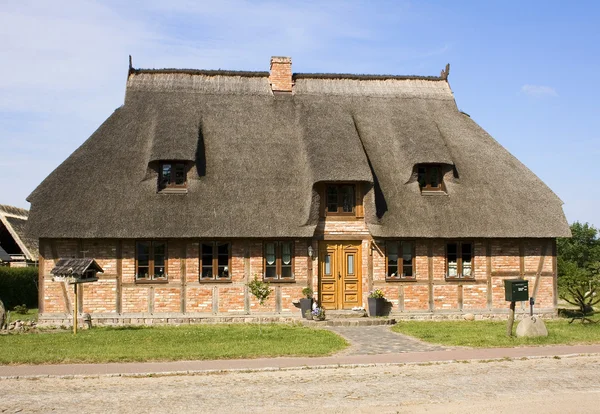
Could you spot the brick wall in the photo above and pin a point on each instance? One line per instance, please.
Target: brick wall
(430, 291)
(117, 291)
(117, 286)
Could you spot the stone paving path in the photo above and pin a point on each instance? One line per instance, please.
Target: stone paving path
(372, 340)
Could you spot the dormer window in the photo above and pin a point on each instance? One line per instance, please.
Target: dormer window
(340, 200)
(429, 177)
(172, 175)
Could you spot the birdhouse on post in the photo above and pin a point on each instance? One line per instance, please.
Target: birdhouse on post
(74, 272)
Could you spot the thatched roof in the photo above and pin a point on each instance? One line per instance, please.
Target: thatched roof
(14, 220)
(257, 157)
(75, 267)
(4, 257)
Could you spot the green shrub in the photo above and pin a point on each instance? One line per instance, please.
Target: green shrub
(21, 309)
(19, 286)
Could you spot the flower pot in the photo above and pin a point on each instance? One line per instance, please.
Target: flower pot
(305, 305)
(376, 306)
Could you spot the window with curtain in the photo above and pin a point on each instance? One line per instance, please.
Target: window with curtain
(278, 260)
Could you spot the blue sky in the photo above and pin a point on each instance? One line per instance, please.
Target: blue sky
(524, 70)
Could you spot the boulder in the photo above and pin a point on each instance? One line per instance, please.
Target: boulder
(469, 317)
(531, 326)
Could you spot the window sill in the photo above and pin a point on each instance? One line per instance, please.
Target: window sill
(341, 217)
(459, 278)
(151, 281)
(215, 280)
(433, 193)
(173, 190)
(279, 280)
(401, 279)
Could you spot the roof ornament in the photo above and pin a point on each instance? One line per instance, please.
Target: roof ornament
(130, 65)
(444, 74)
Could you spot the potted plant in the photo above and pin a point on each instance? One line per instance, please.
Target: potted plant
(318, 314)
(376, 302)
(307, 301)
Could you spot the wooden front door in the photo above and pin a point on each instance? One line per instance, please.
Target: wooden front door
(340, 275)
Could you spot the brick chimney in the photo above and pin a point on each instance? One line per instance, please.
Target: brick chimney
(281, 74)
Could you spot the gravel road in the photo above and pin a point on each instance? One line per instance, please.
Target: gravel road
(566, 385)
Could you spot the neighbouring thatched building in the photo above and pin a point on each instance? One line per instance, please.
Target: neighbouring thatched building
(17, 249)
(204, 179)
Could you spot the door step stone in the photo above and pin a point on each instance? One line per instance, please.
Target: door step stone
(350, 322)
(346, 314)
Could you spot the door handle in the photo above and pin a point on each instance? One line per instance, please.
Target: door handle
(339, 275)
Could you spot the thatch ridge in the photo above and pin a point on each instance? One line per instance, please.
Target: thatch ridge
(204, 72)
(355, 76)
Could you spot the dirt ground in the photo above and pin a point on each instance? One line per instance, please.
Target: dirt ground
(549, 385)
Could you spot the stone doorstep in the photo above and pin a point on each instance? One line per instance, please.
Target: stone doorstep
(346, 314)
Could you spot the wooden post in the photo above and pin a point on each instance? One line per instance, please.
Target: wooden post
(75, 309)
(511, 319)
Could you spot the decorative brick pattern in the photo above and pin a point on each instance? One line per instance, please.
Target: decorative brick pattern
(199, 299)
(474, 297)
(99, 297)
(445, 297)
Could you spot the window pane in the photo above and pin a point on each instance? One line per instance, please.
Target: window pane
(143, 259)
(271, 272)
(270, 254)
(207, 272)
(350, 267)
(179, 174)
(143, 251)
(407, 259)
(286, 253)
(328, 264)
(421, 176)
(434, 176)
(160, 250)
(286, 271)
(223, 271)
(332, 199)
(467, 259)
(348, 198)
(207, 256)
(392, 257)
(165, 175)
(143, 272)
(223, 260)
(271, 266)
(452, 259)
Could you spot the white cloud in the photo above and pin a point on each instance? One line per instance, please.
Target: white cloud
(538, 91)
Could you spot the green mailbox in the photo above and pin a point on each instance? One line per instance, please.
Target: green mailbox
(516, 290)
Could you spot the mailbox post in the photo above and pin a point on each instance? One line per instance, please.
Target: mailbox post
(515, 290)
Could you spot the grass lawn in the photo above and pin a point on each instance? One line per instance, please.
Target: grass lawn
(167, 343)
(488, 334)
(32, 315)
